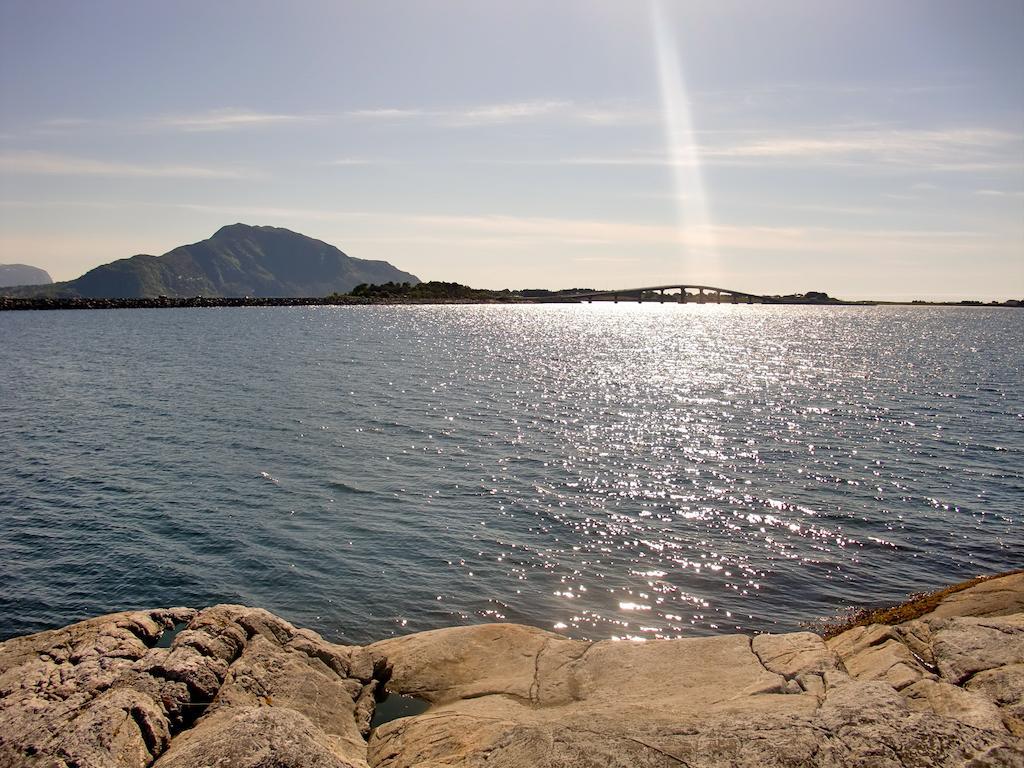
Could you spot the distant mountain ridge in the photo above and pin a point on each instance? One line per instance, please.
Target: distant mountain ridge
(23, 274)
(238, 260)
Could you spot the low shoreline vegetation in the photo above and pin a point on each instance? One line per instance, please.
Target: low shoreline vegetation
(915, 606)
(432, 291)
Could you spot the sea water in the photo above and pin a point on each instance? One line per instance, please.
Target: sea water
(601, 470)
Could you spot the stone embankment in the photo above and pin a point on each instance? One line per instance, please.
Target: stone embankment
(240, 687)
(12, 304)
(8, 303)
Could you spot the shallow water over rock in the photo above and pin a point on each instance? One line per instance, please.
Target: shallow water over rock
(392, 706)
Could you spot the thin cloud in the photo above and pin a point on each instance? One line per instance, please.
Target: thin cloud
(234, 119)
(510, 112)
(607, 259)
(65, 124)
(228, 119)
(999, 192)
(345, 161)
(31, 162)
(975, 149)
(387, 113)
(268, 213)
(841, 210)
(895, 145)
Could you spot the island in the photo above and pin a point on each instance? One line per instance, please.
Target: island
(235, 261)
(23, 274)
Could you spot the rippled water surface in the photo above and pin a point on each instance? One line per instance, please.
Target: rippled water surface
(640, 471)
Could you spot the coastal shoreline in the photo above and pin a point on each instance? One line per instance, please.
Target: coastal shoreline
(15, 304)
(239, 686)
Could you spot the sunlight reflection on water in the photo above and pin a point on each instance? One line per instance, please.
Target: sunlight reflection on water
(606, 471)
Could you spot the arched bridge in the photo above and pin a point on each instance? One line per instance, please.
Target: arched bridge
(699, 294)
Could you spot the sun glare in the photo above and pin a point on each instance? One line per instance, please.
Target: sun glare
(696, 234)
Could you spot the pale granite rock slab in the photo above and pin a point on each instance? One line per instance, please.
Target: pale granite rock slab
(241, 688)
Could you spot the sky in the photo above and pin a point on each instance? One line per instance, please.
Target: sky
(868, 149)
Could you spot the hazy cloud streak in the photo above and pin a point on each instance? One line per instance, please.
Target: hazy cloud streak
(511, 231)
(511, 112)
(227, 119)
(970, 149)
(31, 162)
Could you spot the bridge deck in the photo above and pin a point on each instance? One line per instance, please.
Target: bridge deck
(658, 288)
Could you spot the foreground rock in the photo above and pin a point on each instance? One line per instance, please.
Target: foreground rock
(241, 687)
(238, 686)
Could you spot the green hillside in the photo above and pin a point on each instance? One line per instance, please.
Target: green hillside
(238, 260)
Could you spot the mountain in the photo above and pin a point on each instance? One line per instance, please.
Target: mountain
(23, 274)
(238, 260)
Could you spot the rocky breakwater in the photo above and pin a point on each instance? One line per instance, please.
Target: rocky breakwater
(241, 687)
(8, 303)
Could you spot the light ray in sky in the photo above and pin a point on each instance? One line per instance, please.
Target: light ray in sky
(693, 217)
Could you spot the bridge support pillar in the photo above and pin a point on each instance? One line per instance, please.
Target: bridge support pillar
(735, 298)
(701, 298)
(615, 298)
(682, 296)
(661, 298)
(718, 297)
(640, 297)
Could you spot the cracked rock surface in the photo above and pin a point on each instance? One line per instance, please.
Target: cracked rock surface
(237, 687)
(241, 687)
